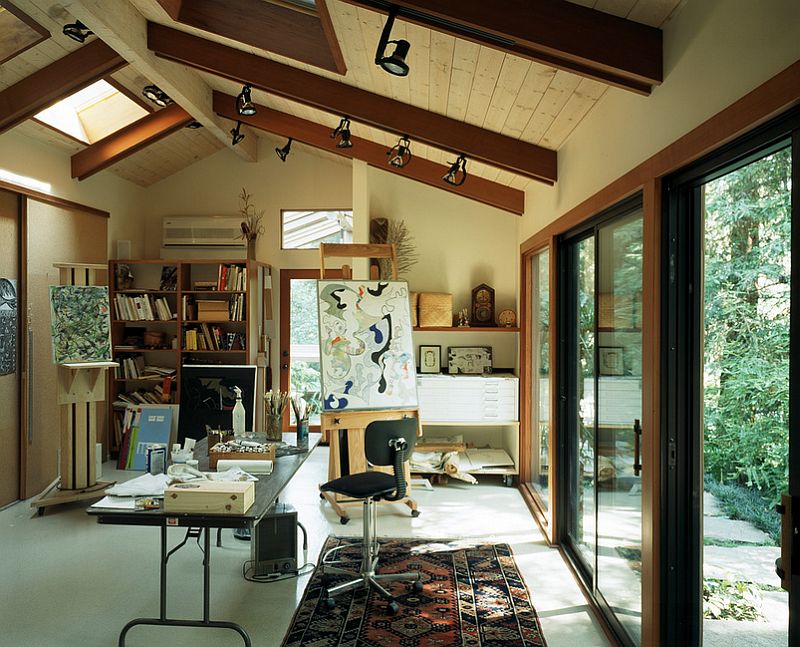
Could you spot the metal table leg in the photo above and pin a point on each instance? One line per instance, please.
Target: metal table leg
(163, 620)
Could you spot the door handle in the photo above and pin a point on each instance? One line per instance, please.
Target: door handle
(789, 538)
(637, 449)
(284, 366)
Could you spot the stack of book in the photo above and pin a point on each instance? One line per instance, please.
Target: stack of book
(205, 337)
(133, 367)
(142, 307)
(231, 277)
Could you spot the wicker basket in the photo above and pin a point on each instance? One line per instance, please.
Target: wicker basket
(413, 298)
(435, 309)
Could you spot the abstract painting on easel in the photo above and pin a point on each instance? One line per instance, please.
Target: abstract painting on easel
(80, 324)
(8, 326)
(366, 350)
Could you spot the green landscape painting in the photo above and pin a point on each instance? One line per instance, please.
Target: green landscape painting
(80, 323)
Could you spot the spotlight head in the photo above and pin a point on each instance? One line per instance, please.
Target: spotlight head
(77, 31)
(457, 174)
(156, 95)
(400, 154)
(283, 153)
(244, 102)
(342, 131)
(396, 62)
(236, 135)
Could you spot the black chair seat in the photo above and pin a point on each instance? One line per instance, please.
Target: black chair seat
(362, 485)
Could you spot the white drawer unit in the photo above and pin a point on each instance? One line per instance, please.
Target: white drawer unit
(472, 399)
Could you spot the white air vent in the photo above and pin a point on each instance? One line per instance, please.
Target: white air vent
(217, 231)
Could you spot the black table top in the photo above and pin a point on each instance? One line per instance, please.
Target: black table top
(268, 488)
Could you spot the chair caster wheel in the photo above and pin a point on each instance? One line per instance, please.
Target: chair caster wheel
(344, 520)
(417, 586)
(415, 513)
(321, 496)
(393, 608)
(330, 603)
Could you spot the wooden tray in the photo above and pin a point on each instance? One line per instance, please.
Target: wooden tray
(213, 457)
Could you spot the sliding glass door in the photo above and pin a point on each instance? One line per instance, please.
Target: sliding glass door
(732, 372)
(601, 398)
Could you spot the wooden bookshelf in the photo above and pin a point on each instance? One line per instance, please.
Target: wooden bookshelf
(249, 326)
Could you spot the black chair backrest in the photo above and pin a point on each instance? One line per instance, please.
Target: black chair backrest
(390, 442)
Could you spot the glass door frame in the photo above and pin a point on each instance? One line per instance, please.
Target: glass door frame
(566, 323)
(681, 379)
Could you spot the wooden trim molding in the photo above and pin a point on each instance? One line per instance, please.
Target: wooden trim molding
(565, 35)
(492, 148)
(34, 26)
(129, 140)
(421, 170)
(52, 199)
(52, 83)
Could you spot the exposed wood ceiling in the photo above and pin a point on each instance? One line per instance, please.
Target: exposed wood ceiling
(498, 92)
(18, 31)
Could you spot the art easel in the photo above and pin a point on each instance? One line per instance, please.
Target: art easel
(345, 429)
(81, 386)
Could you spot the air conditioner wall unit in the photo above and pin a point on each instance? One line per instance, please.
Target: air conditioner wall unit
(216, 231)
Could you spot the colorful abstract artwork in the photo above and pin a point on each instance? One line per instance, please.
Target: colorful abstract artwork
(8, 326)
(366, 351)
(80, 323)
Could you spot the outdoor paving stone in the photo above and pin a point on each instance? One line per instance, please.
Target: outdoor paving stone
(742, 563)
(727, 633)
(733, 530)
(711, 506)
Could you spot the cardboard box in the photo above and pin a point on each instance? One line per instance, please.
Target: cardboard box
(210, 310)
(211, 497)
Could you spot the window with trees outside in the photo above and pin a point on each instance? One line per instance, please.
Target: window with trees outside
(308, 228)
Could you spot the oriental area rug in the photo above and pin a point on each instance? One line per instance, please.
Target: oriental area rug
(472, 596)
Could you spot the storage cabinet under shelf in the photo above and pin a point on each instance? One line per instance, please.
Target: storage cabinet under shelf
(482, 409)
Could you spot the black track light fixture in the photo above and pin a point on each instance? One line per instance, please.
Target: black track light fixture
(236, 135)
(394, 63)
(194, 125)
(342, 131)
(244, 102)
(283, 153)
(457, 174)
(400, 153)
(156, 95)
(77, 31)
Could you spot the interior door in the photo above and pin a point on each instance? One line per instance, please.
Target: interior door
(733, 373)
(600, 389)
(55, 235)
(10, 364)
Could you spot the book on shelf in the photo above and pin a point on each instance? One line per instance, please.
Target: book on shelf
(231, 277)
(169, 278)
(142, 307)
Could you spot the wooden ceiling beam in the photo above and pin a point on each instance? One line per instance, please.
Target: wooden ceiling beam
(120, 25)
(564, 35)
(61, 78)
(375, 110)
(272, 27)
(419, 169)
(129, 140)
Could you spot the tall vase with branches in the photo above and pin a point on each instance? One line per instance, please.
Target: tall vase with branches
(252, 226)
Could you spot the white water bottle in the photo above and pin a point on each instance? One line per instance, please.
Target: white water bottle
(238, 413)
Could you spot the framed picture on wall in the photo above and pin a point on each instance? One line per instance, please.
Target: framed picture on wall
(611, 360)
(430, 359)
(469, 360)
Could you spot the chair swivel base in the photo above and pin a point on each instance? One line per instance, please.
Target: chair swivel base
(368, 579)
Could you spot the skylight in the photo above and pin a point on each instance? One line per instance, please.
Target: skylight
(92, 113)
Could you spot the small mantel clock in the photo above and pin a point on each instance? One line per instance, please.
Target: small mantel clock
(482, 306)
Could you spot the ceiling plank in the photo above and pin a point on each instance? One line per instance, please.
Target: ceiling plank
(128, 140)
(372, 109)
(18, 31)
(120, 25)
(52, 83)
(419, 169)
(272, 27)
(565, 35)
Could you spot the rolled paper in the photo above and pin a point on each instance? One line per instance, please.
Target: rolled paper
(249, 466)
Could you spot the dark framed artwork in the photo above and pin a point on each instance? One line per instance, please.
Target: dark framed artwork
(430, 359)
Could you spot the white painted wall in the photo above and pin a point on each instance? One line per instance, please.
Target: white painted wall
(30, 158)
(715, 51)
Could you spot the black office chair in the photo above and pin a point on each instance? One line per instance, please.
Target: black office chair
(386, 442)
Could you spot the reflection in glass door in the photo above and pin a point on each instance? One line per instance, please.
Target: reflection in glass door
(602, 395)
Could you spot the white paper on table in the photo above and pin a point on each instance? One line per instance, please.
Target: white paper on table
(116, 503)
(144, 485)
